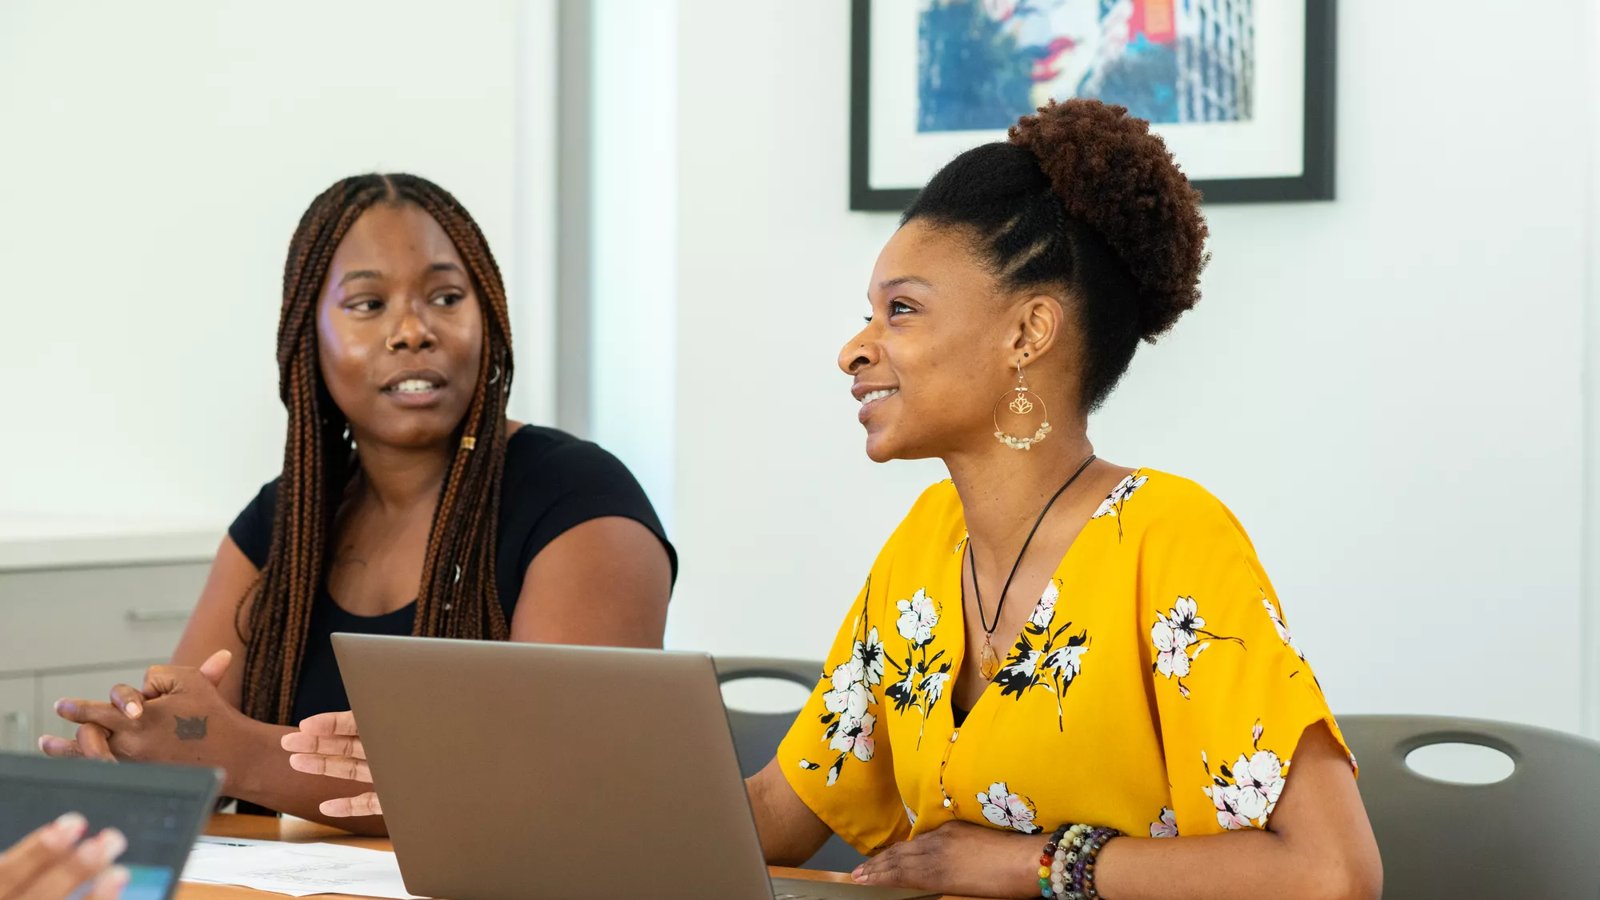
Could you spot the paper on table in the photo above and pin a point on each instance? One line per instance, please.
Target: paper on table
(298, 870)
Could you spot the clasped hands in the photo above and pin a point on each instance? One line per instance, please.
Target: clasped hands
(178, 716)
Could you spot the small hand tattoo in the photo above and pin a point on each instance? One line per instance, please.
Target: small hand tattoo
(192, 729)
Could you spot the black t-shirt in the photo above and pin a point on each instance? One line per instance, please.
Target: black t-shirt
(552, 482)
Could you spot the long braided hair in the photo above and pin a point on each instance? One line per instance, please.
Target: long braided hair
(457, 596)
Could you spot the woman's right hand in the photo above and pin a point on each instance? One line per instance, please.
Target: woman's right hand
(51, 864)
(329, 744)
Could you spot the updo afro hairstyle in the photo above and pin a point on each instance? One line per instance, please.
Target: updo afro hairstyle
(1083, 197)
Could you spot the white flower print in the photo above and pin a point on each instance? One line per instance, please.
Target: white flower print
(1067, 661)
(1053, 663)
(1119, 494)
(1023, 666)
(920, 675)
(847, 674)
(851, 679)
(904, 690)
(1173, 633)
(918, 616)
(854, 736)
(870, 654)
(1183, 620)
(1166, 826)
(1008, 810)
(1172, 657)
(933, 686)
(1047, 606)
(847, 722)
(1245, 794)
(1283, 630)
(851, 701)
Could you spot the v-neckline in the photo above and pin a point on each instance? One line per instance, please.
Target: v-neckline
(960, 650)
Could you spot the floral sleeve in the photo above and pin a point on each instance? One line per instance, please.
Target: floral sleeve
(1233, 692)
(836, 755)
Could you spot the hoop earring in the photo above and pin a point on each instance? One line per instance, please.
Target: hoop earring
(496, 376)
(1019, 404)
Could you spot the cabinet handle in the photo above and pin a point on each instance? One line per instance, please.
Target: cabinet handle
(158, 615)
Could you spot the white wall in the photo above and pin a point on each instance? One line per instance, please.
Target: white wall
(1386, 389)
(156, 160)
(1590, 632)
(633, 253)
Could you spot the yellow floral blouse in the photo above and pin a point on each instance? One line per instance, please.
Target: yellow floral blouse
(1155, 688)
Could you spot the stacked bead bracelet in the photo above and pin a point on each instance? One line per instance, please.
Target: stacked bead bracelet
(1066, 869)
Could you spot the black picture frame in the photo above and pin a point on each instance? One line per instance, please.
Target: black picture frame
(1315, 182)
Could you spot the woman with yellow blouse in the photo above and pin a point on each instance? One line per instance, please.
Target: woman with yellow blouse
(1048, 639)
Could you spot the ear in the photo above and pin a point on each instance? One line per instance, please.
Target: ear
(1040, 322)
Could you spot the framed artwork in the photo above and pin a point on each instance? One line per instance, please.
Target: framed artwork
(1242, 91)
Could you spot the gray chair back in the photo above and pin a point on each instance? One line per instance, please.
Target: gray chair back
(1535, 834)
(756, 735)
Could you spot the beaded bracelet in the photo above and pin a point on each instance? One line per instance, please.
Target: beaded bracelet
(1055, 859)
(1081, 883)
(1046, 889)
(1067, 858)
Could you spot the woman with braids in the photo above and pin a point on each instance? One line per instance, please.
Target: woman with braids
(1062, 677)
(407, 504)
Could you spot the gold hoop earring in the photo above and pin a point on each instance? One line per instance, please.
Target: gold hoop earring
(1016, 400)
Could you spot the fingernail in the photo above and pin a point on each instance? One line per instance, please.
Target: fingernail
(134, 709)
(64, 831)
(117, 876)
(858, 874)
(63, 707)
(108, 845)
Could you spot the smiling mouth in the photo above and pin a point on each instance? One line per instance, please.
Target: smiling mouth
(878, 395)
(412, 386)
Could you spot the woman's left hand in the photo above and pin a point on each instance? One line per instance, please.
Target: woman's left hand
(184, 719)
(960, 858)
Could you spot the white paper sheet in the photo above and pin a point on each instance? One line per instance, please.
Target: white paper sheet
(298, 870)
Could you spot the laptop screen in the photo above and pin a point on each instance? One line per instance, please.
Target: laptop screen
(160, 809)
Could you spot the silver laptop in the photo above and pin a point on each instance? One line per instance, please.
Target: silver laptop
(528, 770)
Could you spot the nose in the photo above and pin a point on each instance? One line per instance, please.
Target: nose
(858, 352)
(413, 331)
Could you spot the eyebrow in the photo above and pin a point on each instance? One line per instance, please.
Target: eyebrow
(374, 273)
(360, 273)
(893, 283)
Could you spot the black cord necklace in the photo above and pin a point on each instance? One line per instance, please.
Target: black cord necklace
(989, 661)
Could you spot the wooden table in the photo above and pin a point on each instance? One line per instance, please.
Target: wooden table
(270, 829)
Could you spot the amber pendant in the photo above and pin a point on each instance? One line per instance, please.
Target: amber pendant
(988, 661)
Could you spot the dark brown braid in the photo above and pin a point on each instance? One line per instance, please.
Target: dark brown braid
(457, 597)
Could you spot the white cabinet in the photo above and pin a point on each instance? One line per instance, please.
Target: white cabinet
(74, 632)
(94, 617)
(18, 712)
